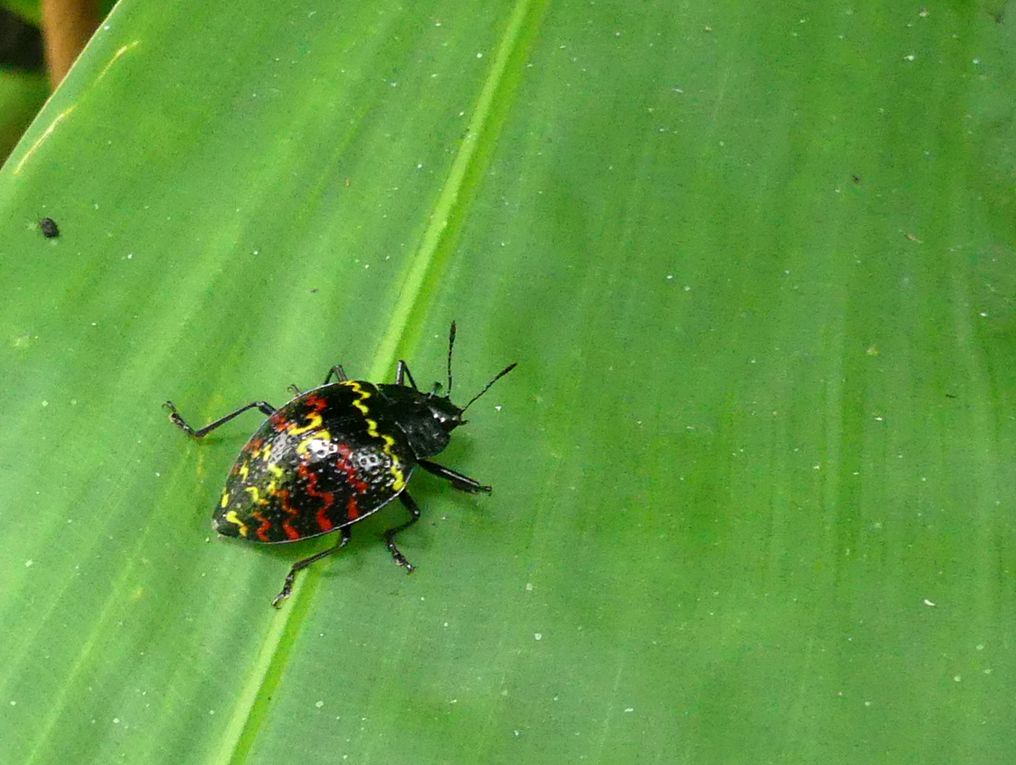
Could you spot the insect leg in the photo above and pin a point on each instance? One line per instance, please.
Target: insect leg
(456, 479)
(338, 372)
(414, 511)
(294, 389)
(287, 586)
(402, 372)
(177, 420)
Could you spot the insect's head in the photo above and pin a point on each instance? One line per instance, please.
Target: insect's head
(447, 415)
(430, 435)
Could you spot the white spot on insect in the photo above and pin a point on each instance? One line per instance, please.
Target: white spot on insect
(538, 636)
(629, 709)
(529, 586)
(29, 563)
(929, 603)
(319, 703)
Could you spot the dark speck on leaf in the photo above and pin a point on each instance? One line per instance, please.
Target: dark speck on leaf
(49, 228)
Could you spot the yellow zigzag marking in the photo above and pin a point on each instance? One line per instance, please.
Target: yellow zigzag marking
(277, 475)
(232, 518)
(263, 452)
(323, 435)
(313, 423)
(399, 482)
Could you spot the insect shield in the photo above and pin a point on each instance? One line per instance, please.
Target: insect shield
(334, 455)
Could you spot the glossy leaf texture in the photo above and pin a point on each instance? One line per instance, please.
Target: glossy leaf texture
(754, 497)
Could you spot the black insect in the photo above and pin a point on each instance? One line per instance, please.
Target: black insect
(334, 455)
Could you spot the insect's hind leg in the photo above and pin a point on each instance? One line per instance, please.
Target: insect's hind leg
(414, 511)
(287, 586)
(455, 478)
(177, 420)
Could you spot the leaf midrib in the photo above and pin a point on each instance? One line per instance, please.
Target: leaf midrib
(451, 206)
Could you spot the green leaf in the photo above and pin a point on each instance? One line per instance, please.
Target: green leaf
(753, 490)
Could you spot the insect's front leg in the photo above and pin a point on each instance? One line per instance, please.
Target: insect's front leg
(179, 421)
(455, 478)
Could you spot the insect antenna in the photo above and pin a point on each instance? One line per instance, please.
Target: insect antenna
(451, 344)
(486, 387)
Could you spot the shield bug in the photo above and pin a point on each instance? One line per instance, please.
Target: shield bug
(49, 228)
(334, 455)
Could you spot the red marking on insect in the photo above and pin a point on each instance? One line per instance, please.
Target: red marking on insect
(254, 446)
(315, 402)
(264, 528)
(326, 497)
(352, 477)
(291, 532)
(323, 521)
(352, 508)
(314, 405)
